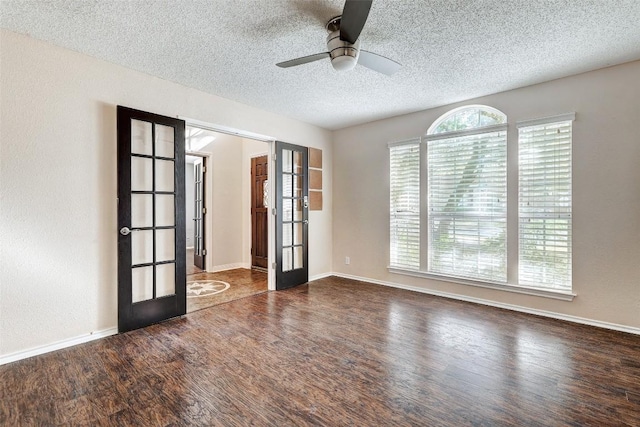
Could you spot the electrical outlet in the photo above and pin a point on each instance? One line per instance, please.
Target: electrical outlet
(347, 260)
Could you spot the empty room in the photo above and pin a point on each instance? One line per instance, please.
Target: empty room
(320, 212)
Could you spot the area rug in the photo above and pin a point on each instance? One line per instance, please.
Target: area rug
(205, 288)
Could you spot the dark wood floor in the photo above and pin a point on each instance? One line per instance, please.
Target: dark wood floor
(336, 352)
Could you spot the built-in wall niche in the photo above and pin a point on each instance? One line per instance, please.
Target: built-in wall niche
(315, 179)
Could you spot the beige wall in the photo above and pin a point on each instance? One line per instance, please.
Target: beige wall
(606, 192)
(58, 228)
(226, 213)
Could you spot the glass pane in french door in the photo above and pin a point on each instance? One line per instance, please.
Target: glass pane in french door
(153, 220)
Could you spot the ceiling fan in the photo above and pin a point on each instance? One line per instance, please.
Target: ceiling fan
(343, 43)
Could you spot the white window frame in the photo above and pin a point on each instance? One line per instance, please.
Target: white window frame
(547, 209)
(494, 134)
(404, 214)
(512, 284)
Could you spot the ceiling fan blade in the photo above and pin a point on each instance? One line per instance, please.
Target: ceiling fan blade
(378, 63)
(303, 60)
(354, 16)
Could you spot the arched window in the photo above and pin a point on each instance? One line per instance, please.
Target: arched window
(448, 202)
(466, 118)
(467, 194)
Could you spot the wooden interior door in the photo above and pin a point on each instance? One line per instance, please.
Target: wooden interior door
(259, 211)
(292, 223)
(151, 219)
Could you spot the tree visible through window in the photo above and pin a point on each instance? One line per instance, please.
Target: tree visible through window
(467, 200)
(472, 117)
(454, 222)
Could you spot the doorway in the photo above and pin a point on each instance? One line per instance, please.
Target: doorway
(219, 187)
(195, 173)
(153, 284)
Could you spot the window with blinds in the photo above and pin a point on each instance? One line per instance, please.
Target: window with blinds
(448, 202)
(544, 203)
(467, 204)
(404, 159)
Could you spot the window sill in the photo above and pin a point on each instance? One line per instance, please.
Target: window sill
(545, 293)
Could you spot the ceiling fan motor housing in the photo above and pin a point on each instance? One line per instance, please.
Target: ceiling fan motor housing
(344, 55)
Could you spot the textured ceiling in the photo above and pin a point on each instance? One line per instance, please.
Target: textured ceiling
(451, 50)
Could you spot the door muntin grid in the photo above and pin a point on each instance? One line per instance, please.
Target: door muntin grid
(198, 209)
(292, 210)
(153, 216)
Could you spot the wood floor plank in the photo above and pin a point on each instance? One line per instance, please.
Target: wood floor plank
(335, 352)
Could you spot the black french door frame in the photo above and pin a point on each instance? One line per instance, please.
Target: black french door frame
(133, 315)
(292, 249)
(199, 213)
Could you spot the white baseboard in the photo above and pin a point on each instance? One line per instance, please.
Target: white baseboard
(544, 313)
(321, 276)
(19, 355)
(224, 267)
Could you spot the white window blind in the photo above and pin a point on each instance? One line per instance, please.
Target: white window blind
(467, 198)
(404, 162)
(545, 205)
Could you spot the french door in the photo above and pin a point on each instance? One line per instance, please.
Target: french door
(292, 220)
(151, 219)
(199, 212)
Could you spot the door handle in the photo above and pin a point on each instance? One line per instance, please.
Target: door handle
(306, 221)
(125, 231)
